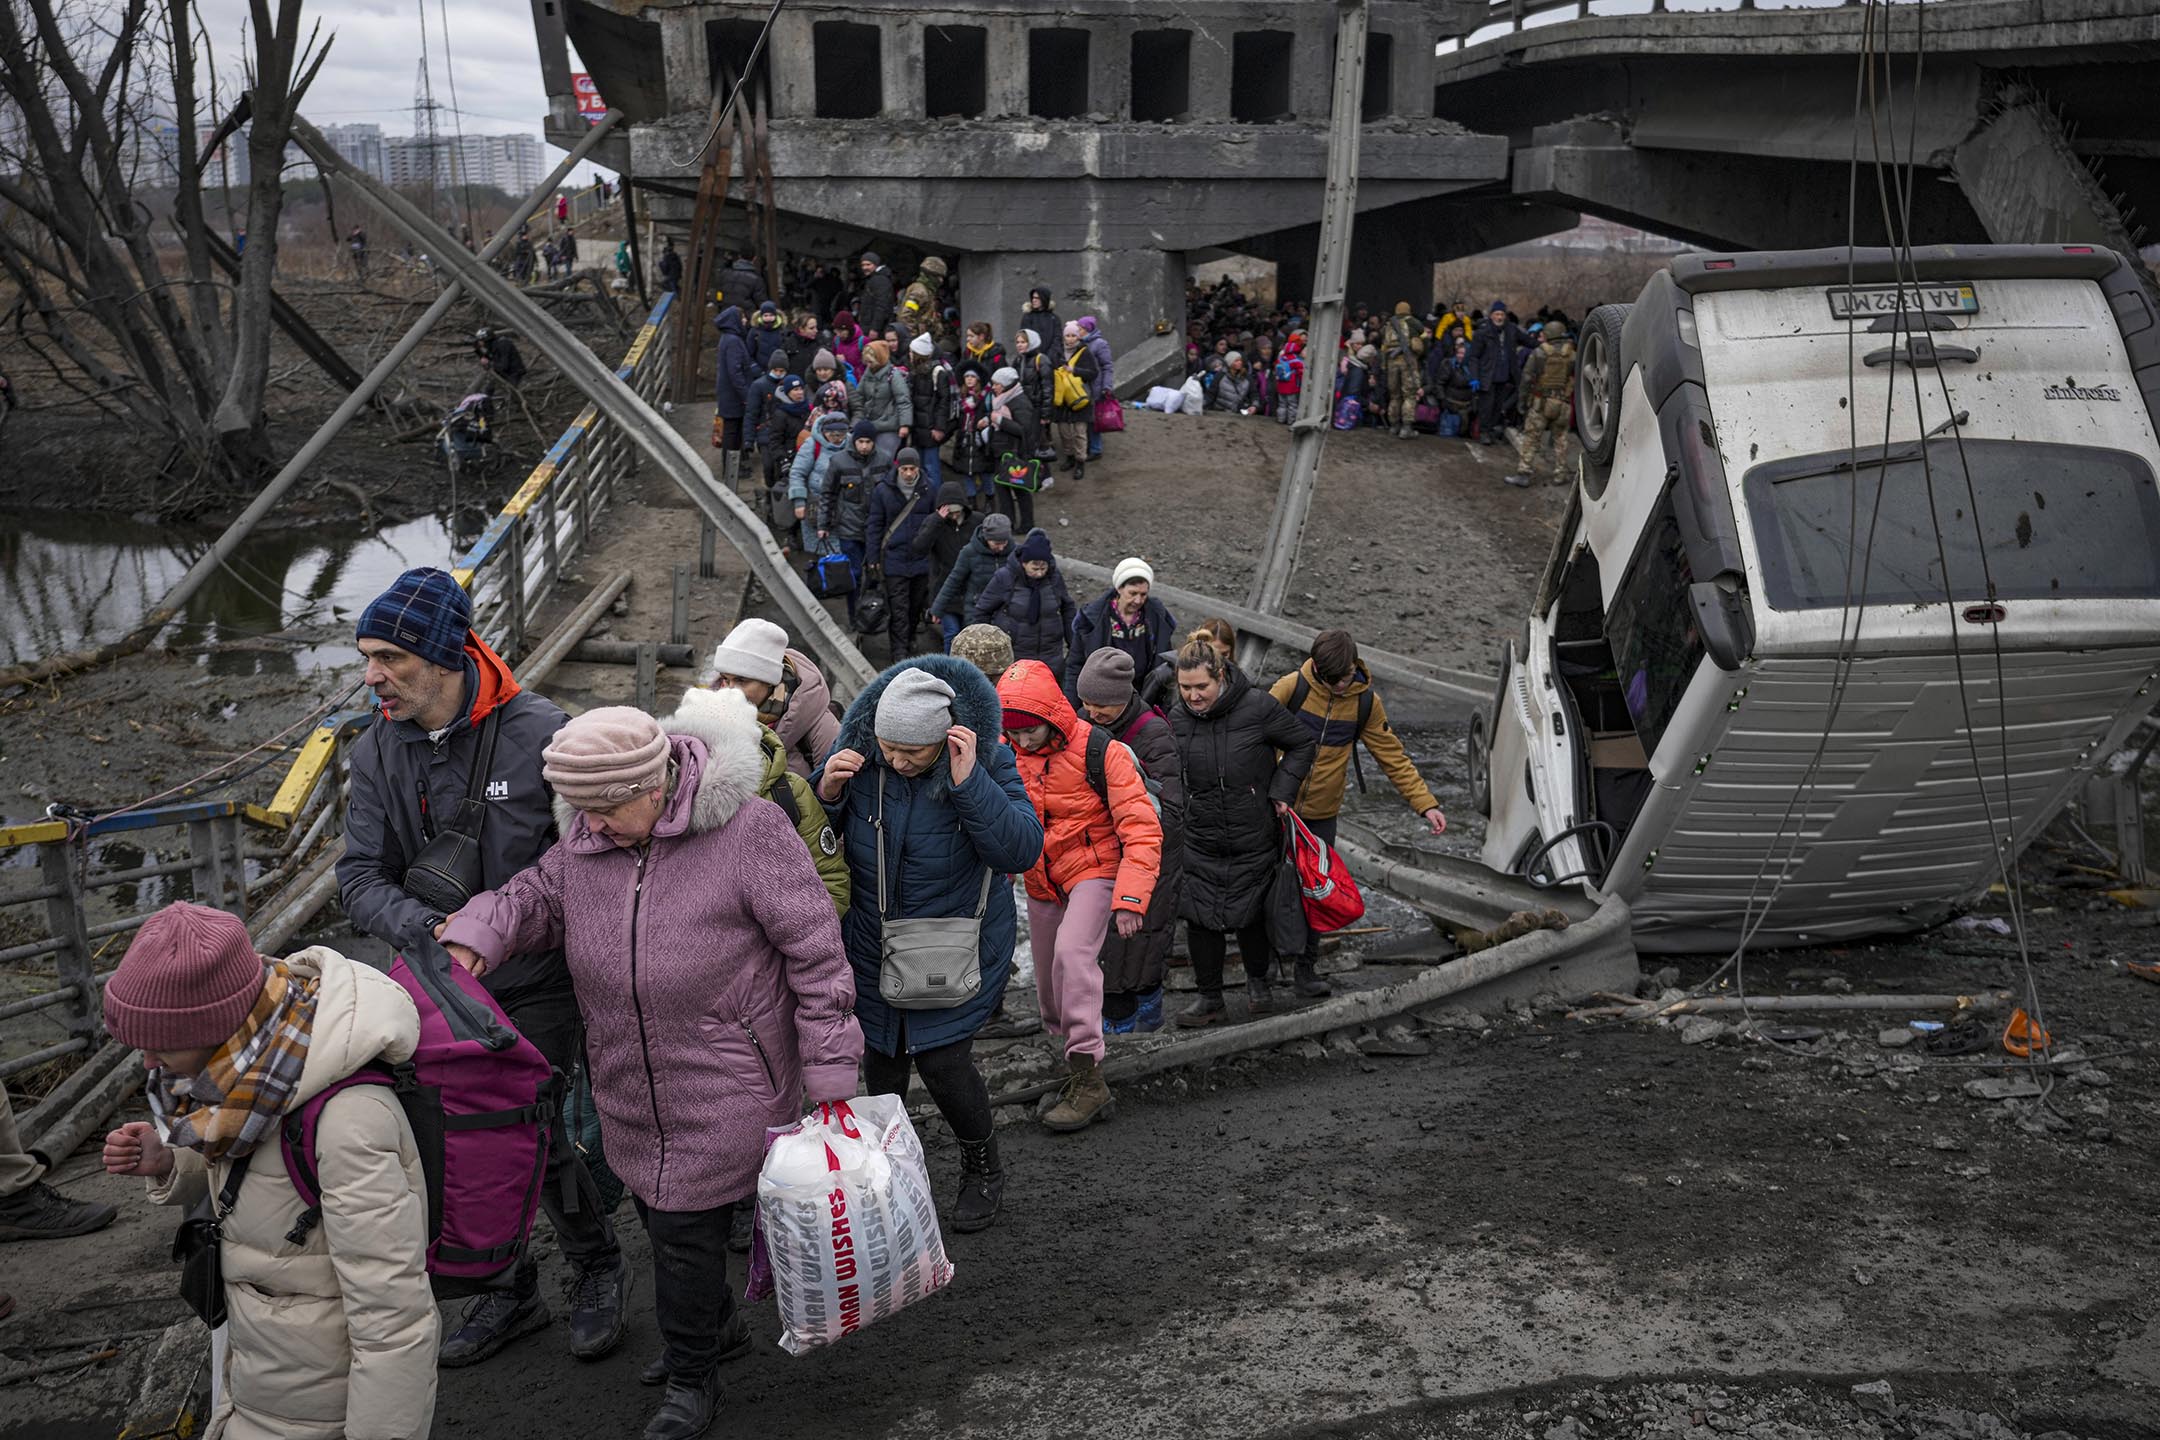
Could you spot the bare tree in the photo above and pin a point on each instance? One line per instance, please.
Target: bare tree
(187, 356)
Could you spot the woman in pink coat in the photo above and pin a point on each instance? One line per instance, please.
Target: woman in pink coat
(716, 993)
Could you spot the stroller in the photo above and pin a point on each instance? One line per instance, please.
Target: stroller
(466, 442)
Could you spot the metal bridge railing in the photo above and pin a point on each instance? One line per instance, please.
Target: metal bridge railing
(511, 571)
(1506, 17)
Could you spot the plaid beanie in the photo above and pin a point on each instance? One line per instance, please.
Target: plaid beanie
(425, 612)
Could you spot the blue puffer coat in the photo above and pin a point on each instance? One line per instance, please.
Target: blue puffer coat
(937, 842)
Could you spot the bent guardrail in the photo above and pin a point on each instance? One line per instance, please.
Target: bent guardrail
(511, 571)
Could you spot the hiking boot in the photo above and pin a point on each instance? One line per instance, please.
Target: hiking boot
(1079, 471)
(736, 1341)
(1001, 1026)
(1207, 1010)
(596, 1308)
(1085, 1100)
(1306, 981)
(686, 1412)
(738, 1239)
(490, 1323)
(982, 1186)
(43, 1213)
(1259, 997)
(1519, 481)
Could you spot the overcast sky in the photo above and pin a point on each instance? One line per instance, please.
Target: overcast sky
(493, 61)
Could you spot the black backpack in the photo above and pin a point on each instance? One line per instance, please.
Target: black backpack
(1098, 747)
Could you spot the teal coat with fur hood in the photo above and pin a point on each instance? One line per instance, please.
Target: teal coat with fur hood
(731, 730)
(939, 838)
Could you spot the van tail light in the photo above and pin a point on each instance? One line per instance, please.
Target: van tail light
(1988, 614)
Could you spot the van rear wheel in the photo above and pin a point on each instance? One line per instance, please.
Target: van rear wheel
(1597, 383)
(1479, 765)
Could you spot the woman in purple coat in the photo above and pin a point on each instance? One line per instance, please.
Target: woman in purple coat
(704, 949)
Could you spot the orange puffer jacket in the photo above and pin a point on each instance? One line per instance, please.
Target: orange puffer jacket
(1083, 839)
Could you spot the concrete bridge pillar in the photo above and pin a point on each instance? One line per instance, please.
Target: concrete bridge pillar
(900, 63)
(685, 61)
(1211, 76)
(1007, 49)
(1129, 292)
(792, 53)
(1312, 70)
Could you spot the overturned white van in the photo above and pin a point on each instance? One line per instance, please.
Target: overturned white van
(1860, 581)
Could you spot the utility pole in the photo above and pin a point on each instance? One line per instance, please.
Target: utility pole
(1323, 330)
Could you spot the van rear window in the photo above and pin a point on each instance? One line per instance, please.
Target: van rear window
(2069, 522)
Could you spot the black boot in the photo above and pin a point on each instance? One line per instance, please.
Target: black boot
(1259, 997)
(597, 1297)
(982, 1186)
(1307, 982)
(686, 1412)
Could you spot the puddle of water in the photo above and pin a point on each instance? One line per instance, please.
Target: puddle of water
(69, 580)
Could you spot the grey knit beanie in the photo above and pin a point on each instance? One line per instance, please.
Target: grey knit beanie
(1107, 678)
(916, 709)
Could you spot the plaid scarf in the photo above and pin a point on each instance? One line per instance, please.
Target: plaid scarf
(249, 1084)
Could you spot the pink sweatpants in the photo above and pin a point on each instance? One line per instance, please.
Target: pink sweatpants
(1068, 980)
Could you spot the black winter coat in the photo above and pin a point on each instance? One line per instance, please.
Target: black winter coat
(1037, 614)
(968, 576)
(930, 389)
(874, 303)
(844, 504)
(1140, 963)
(1493, 355)
(940, 542)
(903, 515)
(742, 286)
(1232, 838)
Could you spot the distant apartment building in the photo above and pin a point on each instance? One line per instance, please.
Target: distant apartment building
(361, 146)
(515, 163)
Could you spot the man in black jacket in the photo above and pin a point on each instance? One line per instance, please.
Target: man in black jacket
(1494, 370)
(874, 302)
(445, 697)
(743, 285)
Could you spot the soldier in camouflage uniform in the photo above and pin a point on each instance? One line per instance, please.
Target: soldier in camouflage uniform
(919, 308)
(1548, 385)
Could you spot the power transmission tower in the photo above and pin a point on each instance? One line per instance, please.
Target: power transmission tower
(424, 127)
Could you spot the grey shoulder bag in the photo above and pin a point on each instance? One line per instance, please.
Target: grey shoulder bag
(927, 962)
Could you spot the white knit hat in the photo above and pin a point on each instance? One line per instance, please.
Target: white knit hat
(753, 650)
(1132, 567)
(920, 345)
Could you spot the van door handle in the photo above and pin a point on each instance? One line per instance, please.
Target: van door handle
(1922, 351)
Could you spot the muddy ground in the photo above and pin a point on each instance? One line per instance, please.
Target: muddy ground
(1547, 1227)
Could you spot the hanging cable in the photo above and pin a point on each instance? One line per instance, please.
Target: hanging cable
(462, 173)
(697, 156)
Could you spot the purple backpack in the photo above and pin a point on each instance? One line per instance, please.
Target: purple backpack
(481, 1101)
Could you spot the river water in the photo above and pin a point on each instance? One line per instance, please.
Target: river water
(71, 579)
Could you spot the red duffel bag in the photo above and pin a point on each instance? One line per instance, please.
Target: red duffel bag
(1331, 894)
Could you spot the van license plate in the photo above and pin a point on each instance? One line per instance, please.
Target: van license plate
(1866, 301)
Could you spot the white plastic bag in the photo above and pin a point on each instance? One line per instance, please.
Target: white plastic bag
(849, 1226)
(1163, 398)
(1195, 396)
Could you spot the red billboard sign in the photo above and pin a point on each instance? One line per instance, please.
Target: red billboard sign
(589, 103)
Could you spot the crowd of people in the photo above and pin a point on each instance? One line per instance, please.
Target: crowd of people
(706, 920)
(1454, 371)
